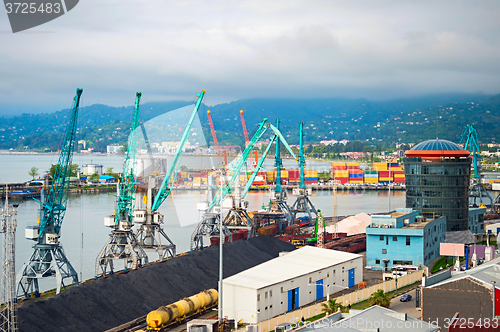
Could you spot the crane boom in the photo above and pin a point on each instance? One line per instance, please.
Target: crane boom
(256, 170)
(244, 127)
(165, 189)
(125, 205)
(54, 207)
(234, 170)
(302, 160)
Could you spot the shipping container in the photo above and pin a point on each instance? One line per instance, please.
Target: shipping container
(371, 180)
(269, 230)
(341, 174)
(342, 180)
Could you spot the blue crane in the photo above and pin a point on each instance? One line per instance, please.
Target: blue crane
(48, 259)
(150, 234)
(122, 244)
(471, 144)
(302, 204)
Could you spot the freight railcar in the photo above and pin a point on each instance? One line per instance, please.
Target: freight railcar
(164, 316)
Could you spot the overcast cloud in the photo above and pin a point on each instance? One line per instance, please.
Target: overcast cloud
(245, 49)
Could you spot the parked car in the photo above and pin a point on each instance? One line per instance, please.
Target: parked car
(405, 298)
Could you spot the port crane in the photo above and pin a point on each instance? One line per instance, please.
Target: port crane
(302, 204)
(210, 217)
(477, 191)
(278, 201)
(247, 140)
(48, 259)
(221, 155)
(150, 234)
(122, 243)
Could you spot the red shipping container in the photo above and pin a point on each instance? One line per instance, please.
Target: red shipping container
(339, 168)
(269, 230)
(352, 167)
(342, 180)
(309, 182)
(397, 172)
(356, 171)
(384, 174)
(293, 229)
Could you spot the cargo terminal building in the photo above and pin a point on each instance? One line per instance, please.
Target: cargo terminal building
(288, 282)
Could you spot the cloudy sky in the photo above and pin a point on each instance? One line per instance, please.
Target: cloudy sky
(245, 49)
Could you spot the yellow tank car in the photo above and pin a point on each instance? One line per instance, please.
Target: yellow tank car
(181, 309)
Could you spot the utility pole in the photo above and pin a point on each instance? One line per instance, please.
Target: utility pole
(8, 314)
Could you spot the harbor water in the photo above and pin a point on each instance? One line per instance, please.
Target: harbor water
(83, 233)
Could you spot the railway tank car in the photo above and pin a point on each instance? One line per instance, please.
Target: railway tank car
(177, 311)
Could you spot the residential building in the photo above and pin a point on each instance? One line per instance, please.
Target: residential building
(403, 237)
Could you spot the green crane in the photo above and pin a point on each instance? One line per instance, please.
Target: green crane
(210, 219)
(150, 234)
(477, 191)
(122, 243)
(48, 259)
(302, 204)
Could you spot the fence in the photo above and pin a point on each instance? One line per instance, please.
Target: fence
(354, 297)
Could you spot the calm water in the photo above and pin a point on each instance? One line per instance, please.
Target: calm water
(83, 233)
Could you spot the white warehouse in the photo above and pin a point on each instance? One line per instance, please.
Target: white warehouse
(288, 282)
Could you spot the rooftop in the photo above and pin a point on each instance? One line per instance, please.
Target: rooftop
(486, 273)
(294, 264)
(365, 320)
(437, 148)
(419, 224)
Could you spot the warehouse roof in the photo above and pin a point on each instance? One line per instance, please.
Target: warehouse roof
(294, 264)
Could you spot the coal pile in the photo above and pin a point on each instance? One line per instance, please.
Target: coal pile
(109, 302)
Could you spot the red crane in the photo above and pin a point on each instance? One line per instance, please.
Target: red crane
(256, 154)
(216, 143)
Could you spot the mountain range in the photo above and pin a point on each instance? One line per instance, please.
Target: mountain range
(408, 120)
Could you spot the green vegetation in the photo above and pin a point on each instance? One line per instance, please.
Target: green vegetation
(331, 306)
(73, 171)
(372, 124)
(444, 262)
(380, 298)
(33, 172)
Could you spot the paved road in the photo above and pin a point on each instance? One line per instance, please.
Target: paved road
(407, 307)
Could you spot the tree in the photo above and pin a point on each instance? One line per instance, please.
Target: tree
(109, 171)
(331, 306)
(380, 298)
(183, 168)
(94, 177)
(74, 169)
(33, 172)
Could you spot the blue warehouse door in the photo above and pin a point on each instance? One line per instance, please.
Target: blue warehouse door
(351, 278)
(296, 293)
(319, 289)
(293, 299)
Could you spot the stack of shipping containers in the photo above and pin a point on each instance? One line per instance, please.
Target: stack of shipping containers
(310, 176)
(356, 176)
(371, 176)
(294, 176)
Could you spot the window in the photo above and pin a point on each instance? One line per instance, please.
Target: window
(395, 238)
(270, 306)
(333, 271)
(384, 251)
(407, 240)
(387, 240)
(310, 279)
(265, 308)
(270, 293)
(328, 274)
(377, 261)
(282, 289)
(381, 238)
(258, 297)
(265, 295)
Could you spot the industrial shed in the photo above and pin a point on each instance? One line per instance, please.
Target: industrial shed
(288, 282)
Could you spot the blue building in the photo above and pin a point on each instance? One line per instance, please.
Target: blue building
(403, 237)
(476, 220)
